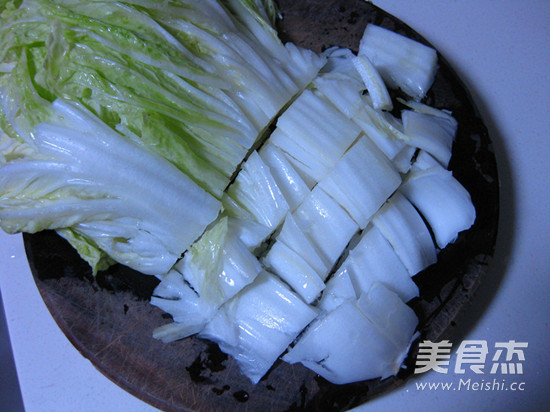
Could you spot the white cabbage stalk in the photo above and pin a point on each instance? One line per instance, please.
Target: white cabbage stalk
(442, 200)
(396, 320)
(432, 133)
(258, 324)
(343, 93)
(404, 228)
(387, 136)
(256, 192)
(390, 125)
(212, 271)
(387, 132)
(294, 270)
(360, 340)
(288, 179)
(373, 260)
(339, 81)
(218, 265)
(338, 290)
(402, 62)
(376, 87)
(339, 65)
(387, 142)
(293, 237)
(310, 165)
(344, 89)
(314, 133)
(404, 159)
(326, 224)
(248, 231)
(190, 313)
(362, 180)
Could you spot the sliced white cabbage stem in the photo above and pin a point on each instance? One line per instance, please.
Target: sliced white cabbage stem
(358, 340)
(258, 324)
(402, 62)
(326, 224)
(294, 270)
(292, 236)
(374, 260)
(405, 230)
(218, 265)
(293, 187)
(374, 84)
(432, 133)
(442, 201)
(362, 180)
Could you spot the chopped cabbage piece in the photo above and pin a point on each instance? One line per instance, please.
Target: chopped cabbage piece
(402, 62)
(404, 228)
(326, 224)
(258, 324)
(442, 200)
(360, 340)
(361, 181)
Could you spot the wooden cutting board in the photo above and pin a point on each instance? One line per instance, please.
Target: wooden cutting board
(109, 319)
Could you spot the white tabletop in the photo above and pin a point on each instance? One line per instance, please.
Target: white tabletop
(501, 49)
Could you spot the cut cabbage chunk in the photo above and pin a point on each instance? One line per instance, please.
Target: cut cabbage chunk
(258, 324)
(292, 236)
(402, 62)
(218, 265)
(248, 231)
(257, 193)
(373, 82)
(361, 181)
(288, 179)
(326, 224)
(442, 200)
(396, 320)
(432, 133)
(338, 290)
(403, 227)
(314, 133)
(373, 260)
(343, 93)
(386, 141)
(360, 340)
(344, 89)
(386, 132)
(339, 65)
(311, 166)
(190, 313)
(294, 270)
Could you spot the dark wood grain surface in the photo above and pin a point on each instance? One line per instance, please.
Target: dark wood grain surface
(109, 319)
